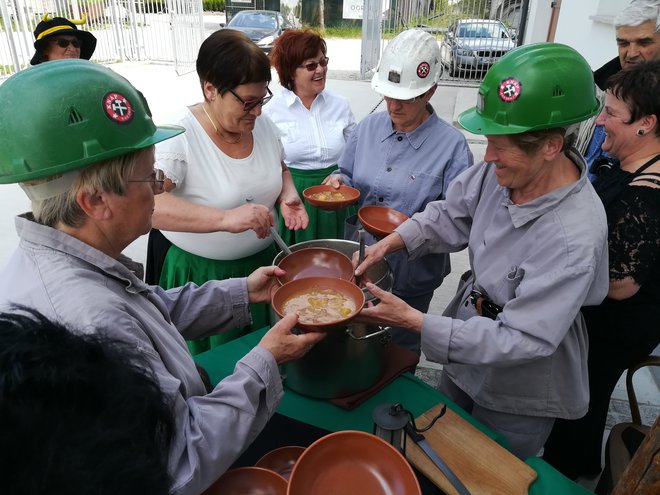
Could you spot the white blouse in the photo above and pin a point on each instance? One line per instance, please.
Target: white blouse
(313, 138)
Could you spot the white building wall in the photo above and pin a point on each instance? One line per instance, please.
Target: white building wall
(587, 26)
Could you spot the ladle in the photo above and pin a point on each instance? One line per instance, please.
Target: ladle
(279, 241)
(358, 278)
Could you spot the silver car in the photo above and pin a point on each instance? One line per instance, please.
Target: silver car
(474, 45)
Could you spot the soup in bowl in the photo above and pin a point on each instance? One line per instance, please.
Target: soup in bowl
(322, 303)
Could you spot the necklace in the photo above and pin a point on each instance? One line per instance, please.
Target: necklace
(240, 136)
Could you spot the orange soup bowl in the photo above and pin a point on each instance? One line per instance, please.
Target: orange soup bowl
(352, 462)
(380, 220)
(326, 197)
(312, 286)
(316, 262)
(281, 460)
(248, 481)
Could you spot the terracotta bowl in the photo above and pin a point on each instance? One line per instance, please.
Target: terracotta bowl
(248, 481)
(352, 462)
(350, 195)
(316, 262)
(379, 220)
(295, 287)
(281, 460)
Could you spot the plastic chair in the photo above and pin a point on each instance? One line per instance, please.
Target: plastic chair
(625, 438)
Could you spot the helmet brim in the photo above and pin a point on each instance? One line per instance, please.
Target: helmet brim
(473, 122)
(87, 48)
(161, 134)
(397, 92)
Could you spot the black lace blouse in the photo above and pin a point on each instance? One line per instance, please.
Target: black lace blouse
(634, 250)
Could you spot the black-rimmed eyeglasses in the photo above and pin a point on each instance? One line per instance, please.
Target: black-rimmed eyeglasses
(251, 104)
(311, 66)
(157, 179)
(65, 42)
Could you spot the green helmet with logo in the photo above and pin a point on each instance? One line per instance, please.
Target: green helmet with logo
(533, 87)
(68, 114)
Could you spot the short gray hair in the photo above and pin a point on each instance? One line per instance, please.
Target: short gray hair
(639, 12)
(109, 176)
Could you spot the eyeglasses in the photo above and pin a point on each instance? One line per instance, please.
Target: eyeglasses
(65, 42)
(157, 179)
(251, 104)
(409, 101)
(311, 67)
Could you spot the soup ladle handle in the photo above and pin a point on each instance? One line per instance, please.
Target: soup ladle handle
(279, 241)
(360, 233)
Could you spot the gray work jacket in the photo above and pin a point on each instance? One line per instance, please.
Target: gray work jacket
(541, 261)
(81, 287)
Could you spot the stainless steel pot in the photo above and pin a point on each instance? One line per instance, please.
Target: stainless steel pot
(350, 359)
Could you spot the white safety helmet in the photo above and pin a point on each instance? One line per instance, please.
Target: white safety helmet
(409, 67)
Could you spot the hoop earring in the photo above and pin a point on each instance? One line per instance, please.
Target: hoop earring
(641, 132)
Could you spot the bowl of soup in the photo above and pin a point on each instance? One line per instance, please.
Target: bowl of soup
(380, 221)
(326, 197)
(322, 303)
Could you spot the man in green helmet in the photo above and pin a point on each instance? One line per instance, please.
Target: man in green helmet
(513, 340)
(79, 140)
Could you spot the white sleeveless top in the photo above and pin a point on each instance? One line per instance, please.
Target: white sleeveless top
(206, 176)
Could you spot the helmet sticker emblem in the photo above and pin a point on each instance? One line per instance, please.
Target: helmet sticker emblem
(118, 108)
(423, 70)
(510, 90)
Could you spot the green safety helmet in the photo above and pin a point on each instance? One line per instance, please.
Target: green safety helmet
(533, 87)
(65, 115)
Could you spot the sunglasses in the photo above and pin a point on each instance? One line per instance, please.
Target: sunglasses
(64, 42)
(311, 67)
(251, 104)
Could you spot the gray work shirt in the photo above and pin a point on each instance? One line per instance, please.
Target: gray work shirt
(84, 289)
(541, 261)
(404, 171)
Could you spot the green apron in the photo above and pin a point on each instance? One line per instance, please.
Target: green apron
(322, 224)
(181, 267)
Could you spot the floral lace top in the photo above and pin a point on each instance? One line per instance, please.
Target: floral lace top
(634, 234)
(634, 249)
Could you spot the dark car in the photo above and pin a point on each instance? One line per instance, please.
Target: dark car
(262, 26)
(474, 45)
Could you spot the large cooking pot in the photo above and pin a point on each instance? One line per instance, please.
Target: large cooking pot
(351, 358)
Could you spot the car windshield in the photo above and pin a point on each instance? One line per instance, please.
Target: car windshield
(262, 21)
(482, 30)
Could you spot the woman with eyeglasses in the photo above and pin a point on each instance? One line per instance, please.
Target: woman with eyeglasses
(224, 178)
(315, 125)
(404, 158)
(92, 184)
(57, 38)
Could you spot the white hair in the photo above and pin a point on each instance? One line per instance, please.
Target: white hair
(639, 12)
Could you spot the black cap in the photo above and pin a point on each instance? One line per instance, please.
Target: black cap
(46, 29)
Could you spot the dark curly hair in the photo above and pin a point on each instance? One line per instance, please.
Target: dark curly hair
(639, 87)
(79, 413)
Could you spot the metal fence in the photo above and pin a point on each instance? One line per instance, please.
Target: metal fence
(472, 34)
(160, 30)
